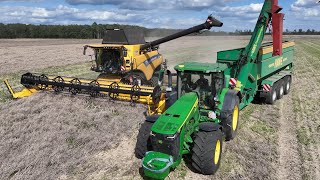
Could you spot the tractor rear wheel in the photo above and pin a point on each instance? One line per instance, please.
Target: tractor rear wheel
(287, 85)
(143, 140)
(206, 152)
(280, 89)
(232, 122)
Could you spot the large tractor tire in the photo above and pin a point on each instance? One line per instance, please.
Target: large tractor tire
(143, 140)
(271, 96)
(280, 89)
(206, 152)
(287, 85)
(232, 122)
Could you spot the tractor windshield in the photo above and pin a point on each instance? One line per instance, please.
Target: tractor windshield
(205, 85)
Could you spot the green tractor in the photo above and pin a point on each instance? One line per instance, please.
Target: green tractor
(202, 111)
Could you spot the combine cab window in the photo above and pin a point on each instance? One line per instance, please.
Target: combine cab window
(205, 85)
(108, 60)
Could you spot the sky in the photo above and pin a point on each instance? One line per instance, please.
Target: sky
(235, 14)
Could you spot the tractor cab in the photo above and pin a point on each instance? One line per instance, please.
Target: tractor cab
(205, 79)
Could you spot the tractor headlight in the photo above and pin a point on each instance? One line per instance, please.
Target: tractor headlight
(212, 115)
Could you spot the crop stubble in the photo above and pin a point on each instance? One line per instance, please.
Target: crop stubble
(51, 136)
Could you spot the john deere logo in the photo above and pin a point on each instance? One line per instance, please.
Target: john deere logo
(160, 142)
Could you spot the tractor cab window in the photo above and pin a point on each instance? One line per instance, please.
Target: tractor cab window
(205, 85)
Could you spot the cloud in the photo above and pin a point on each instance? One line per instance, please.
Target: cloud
(21, 0)
(304, 9)
(151, 4)
(306, 3)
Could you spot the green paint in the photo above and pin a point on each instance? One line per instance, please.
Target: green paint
(185, 115)
(177, 115)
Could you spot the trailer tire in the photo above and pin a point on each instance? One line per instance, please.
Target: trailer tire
(232, 122)
(280, 89)
(271, 97)
(206, 152)
(143, 140)
(287, 85)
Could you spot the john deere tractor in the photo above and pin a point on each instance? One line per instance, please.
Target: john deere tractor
(203, 108)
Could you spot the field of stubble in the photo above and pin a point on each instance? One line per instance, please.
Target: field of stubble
(48, 136)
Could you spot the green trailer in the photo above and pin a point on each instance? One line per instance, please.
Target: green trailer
(203, 109)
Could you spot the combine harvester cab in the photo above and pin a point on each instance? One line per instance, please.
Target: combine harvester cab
(131, 70)
(210, 97)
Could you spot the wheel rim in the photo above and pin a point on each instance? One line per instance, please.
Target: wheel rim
(281, 90)
(274, 96)
(288, 86)
(217, 152)
(235, 118)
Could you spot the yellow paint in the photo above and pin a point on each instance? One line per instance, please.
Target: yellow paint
(24, 93)
(193, 109)
(269, 49)
(278, 62)
(135, 57)
(217, 152)
(238, 85)
(271, 65)
(235, 118)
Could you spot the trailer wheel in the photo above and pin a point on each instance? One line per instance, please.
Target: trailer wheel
(280, 89)
(287, 85)
(232, 122)
(143, 140)
(272, 95)
(206, 152)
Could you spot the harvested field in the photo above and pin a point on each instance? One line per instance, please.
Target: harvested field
(48, 136)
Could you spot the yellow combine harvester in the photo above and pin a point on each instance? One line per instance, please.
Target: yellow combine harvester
(130, 69)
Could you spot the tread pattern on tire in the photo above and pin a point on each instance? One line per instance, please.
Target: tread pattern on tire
(230, 134)
(143, 141)
(203, 152)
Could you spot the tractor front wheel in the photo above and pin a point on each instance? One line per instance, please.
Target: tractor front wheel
(143, 140)
(206, 152)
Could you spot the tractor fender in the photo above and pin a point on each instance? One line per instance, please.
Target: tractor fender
(209, 126)
(228, 103)
(152, 118)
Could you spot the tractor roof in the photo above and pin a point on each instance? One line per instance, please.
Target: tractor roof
(201, 67)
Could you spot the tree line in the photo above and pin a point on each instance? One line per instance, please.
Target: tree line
(95, 31)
